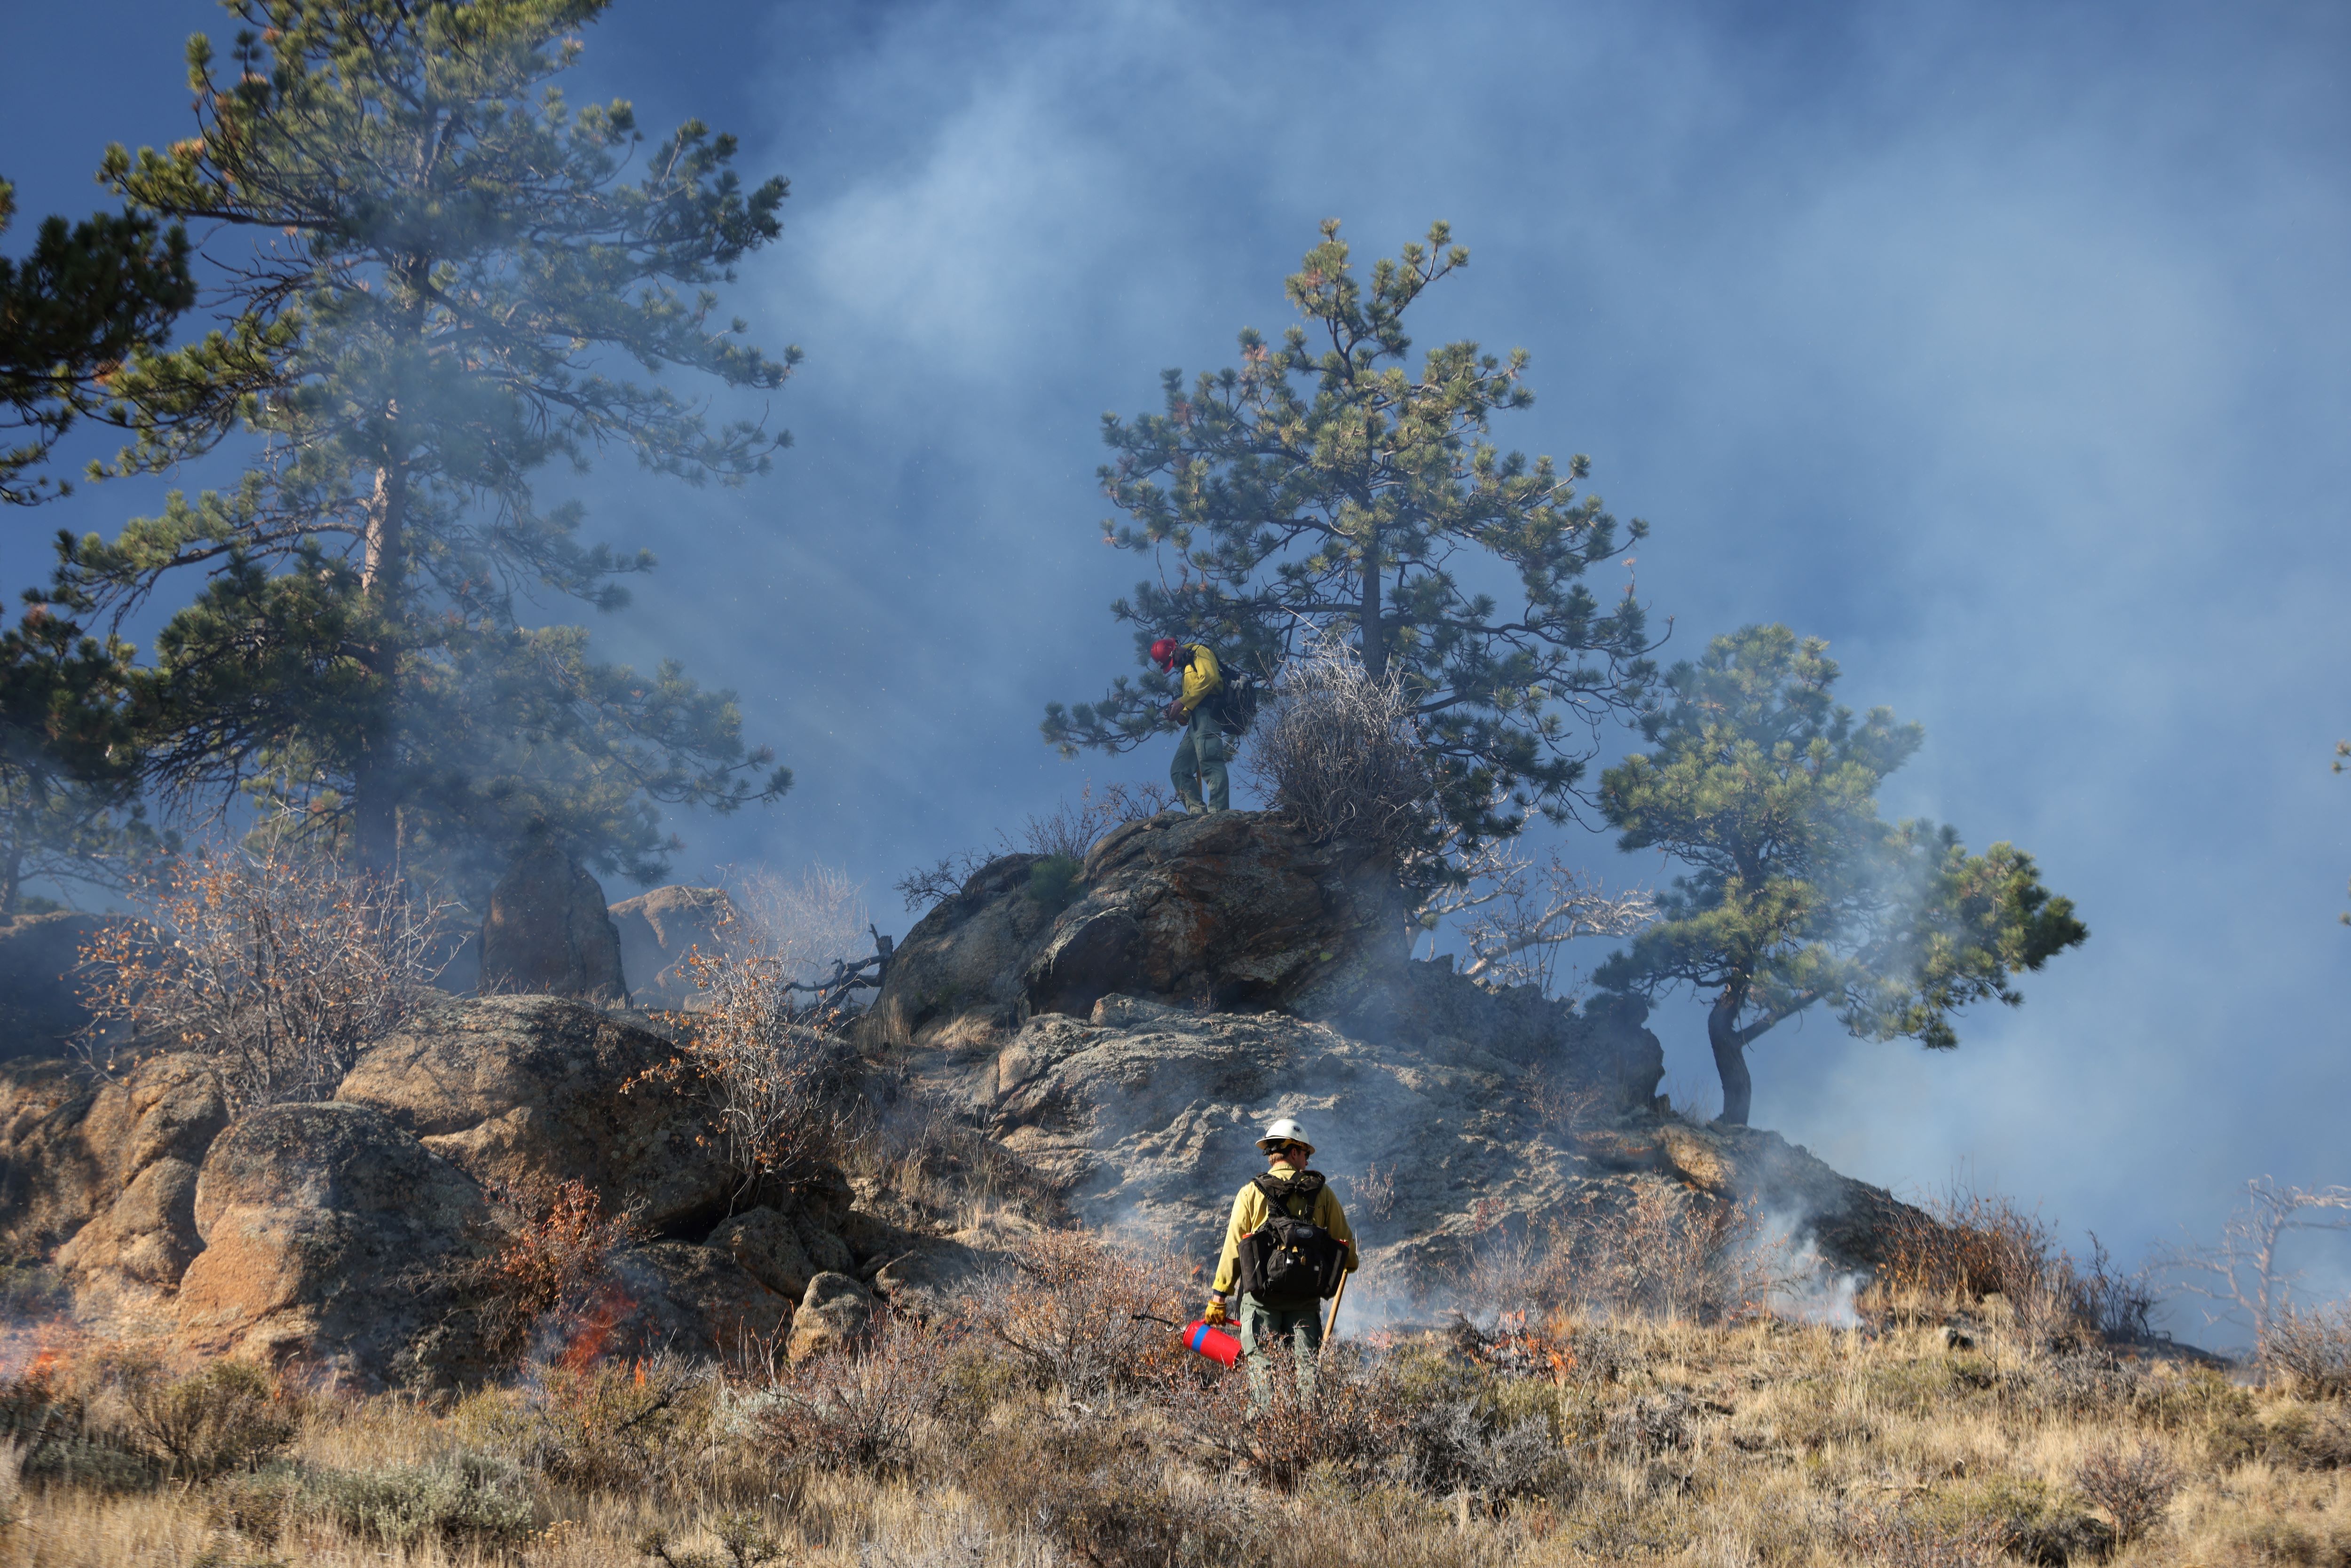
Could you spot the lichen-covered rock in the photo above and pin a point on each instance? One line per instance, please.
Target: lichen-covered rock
(831, 1314)
(958, 971)
(109, 1171)
(329, 1237)
(660, 929)
(1229, 910)
(927, 1279)
(146, 1236)
(520, 1091)
(547, 933)
(769, 1246)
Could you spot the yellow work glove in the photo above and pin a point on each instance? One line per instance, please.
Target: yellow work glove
(1216, 1313)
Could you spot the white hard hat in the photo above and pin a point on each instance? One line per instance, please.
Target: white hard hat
(1284, 1131)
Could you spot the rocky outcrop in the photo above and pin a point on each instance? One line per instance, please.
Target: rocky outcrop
(782, 1251)
(109, 1171)
(547, 933)
(832, 1314)
(346, 1235)
(1232, 911)
(40, 1003)
(660, 929)
(524, 1091)
(328, 1236)
(693, 1301)
(1214, 972)
(1146, 1116)
(1124, 1040)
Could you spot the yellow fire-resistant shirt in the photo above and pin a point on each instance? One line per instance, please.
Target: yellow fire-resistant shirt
(1201, 675)
(1250, 1208)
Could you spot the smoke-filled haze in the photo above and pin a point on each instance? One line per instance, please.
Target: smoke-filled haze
(2004, 346)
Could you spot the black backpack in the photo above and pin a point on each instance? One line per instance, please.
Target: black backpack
(1234, 703)
(1288, 1263)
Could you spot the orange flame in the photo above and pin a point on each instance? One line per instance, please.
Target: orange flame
(605, 1315)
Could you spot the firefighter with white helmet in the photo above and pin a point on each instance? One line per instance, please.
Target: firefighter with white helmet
(1287, 1247)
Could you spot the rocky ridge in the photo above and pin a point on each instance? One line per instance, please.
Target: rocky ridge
(1120, 1037)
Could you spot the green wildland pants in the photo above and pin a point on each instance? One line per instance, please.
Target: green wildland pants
(1262, 1328)
(1199, 765)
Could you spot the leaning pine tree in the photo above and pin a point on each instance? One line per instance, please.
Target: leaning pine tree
(1798, 893)
(1325, 486)
(443, 264)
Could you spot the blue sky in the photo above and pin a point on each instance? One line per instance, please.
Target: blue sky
(2004, 346)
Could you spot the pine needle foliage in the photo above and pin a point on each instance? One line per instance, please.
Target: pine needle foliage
(1798, 891)
(446, 269)
(69, 759)
(1324, 485)
(89, 296)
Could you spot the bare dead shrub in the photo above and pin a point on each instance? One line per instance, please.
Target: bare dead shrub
(2310, 1351)
(2243, 1273)
(1514, 913)
(1077, 1310)
(858, 1410)
(2083, 1380)
(2133, 1485)
(2117, 1304)
(771, 1071)
(1071, 829)
(1340, 753)
(278, 968)
(549, 1268)
(801, 923)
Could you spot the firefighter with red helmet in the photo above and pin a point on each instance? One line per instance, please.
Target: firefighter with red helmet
(1198, 772)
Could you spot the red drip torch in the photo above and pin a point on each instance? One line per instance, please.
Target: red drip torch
(1217, 1342)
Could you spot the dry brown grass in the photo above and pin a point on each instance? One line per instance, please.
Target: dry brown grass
(1576, 1438)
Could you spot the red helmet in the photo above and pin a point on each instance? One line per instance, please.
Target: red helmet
(1163, 651)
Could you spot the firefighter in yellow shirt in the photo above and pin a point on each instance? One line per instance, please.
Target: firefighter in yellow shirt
(1286, 1259)
(1198, 769)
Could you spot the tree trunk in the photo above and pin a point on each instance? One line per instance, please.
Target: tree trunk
(1375, 637)
(1730, 1056)
(375, 794)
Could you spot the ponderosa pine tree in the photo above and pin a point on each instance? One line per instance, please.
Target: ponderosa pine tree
(1323, 484)
(89, 295)
(1799, 893)
(447, 267)
(70, 762)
